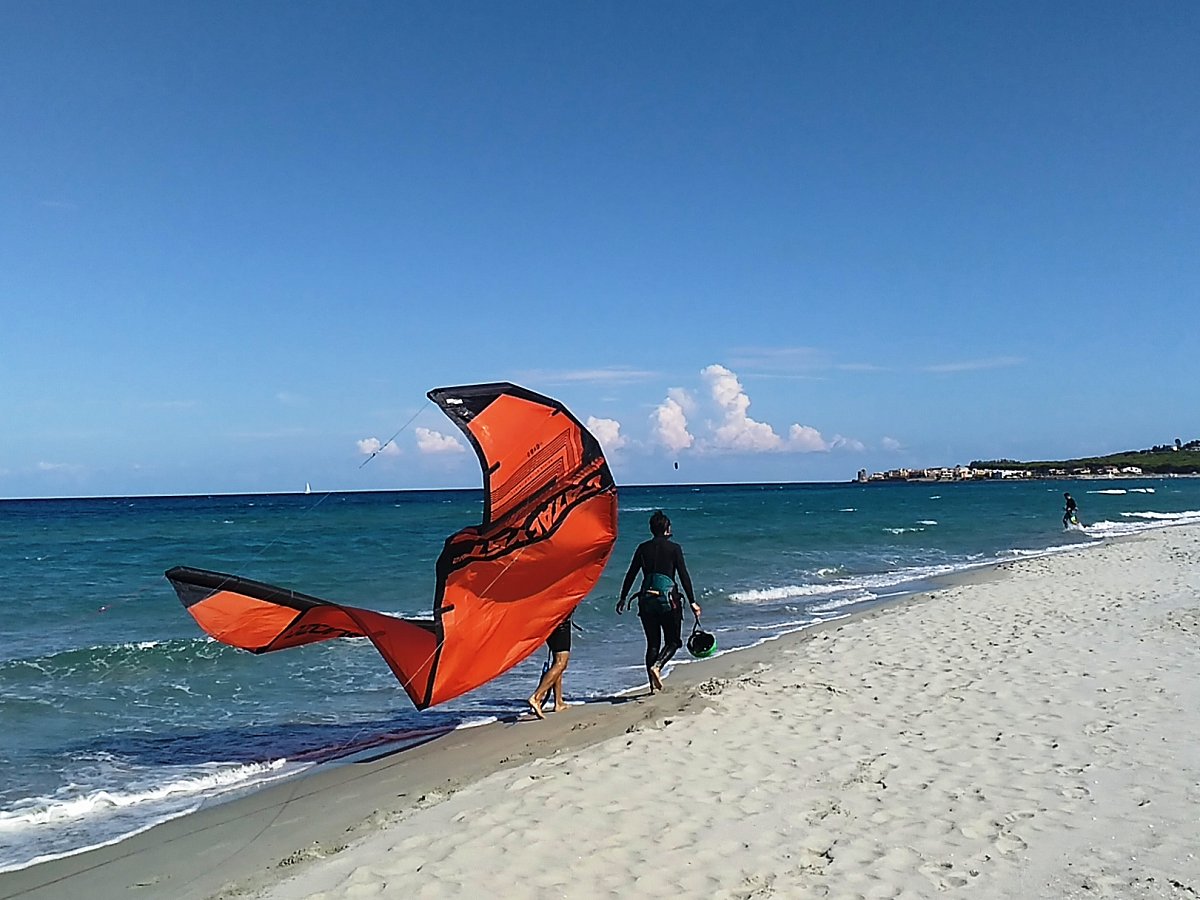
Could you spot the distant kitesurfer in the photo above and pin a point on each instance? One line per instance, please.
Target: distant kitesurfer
(559, 644)
(660, 607)
(1070, 512)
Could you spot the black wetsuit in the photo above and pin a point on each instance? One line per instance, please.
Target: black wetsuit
(1070, 511)
(662, 626)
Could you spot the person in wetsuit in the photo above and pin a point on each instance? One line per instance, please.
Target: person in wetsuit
(1070, 512)
(659, 560)
(559, 644)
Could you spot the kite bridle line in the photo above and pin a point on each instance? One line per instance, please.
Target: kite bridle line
(279, 535)
(308, 510)
(137, 595)
(394, 436)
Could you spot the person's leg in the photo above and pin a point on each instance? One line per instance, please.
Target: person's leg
(672, 637)
(547, 679)
(653, 629)
(559, 703)
(559, 644)
(553, 675)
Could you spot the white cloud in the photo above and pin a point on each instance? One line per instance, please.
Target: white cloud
(805, 438)
(732, 429)
(372, 445)
(607, 432)
(605, 375)
(845, 443)
(58, 467)
(736, 431)
(718, 420)
(890, 443)
(785, 359)
(430, 441)
(670, 422)
(685, 400)
(975, 365)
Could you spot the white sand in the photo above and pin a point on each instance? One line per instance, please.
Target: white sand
(1027, 736)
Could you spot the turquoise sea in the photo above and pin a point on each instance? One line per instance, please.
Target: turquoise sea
(118, 712)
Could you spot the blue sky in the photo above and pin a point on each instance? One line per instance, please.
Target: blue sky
(768, 241)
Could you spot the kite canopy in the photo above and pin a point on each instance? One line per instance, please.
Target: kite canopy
(549, 525)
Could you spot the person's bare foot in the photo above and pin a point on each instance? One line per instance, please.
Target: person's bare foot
(535, 707)
(559, 707)
(655, 679)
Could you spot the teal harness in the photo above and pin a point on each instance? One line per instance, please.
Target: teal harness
(655, 595)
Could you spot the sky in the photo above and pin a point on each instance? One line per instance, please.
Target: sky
(776, 242)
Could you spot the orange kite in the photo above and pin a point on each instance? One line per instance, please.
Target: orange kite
(549, 525)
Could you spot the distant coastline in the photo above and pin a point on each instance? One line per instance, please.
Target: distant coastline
(1177, 459)
(966, 473)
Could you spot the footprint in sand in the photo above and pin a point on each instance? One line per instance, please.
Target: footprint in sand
(430, 799)
(980, 831)
(523, 783)
(1010, 843)
(312, 852)
(943, 875)
(1020, 814)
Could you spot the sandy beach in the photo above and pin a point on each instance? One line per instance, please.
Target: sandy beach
(1029, 732)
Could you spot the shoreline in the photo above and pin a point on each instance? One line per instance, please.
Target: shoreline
(326, 820)
(428, 772)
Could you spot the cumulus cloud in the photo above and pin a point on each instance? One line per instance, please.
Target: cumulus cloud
(670, 424)
(736, 430)
(430, 441)
(728, 426)
(805, 438)
(844, 443)
(372, 445)
(890, 443)
(607, 432)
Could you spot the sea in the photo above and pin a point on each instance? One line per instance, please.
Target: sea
(117, 712)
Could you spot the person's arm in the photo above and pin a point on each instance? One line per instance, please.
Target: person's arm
(686, 580)
(634, 566)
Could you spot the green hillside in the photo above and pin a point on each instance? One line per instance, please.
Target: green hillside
(1176, 459)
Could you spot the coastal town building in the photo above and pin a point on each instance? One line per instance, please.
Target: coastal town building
(970, 473)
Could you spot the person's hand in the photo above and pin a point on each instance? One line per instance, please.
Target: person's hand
(620, 606)
(696, 609)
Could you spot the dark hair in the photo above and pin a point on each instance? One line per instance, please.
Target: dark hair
(659, 523)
